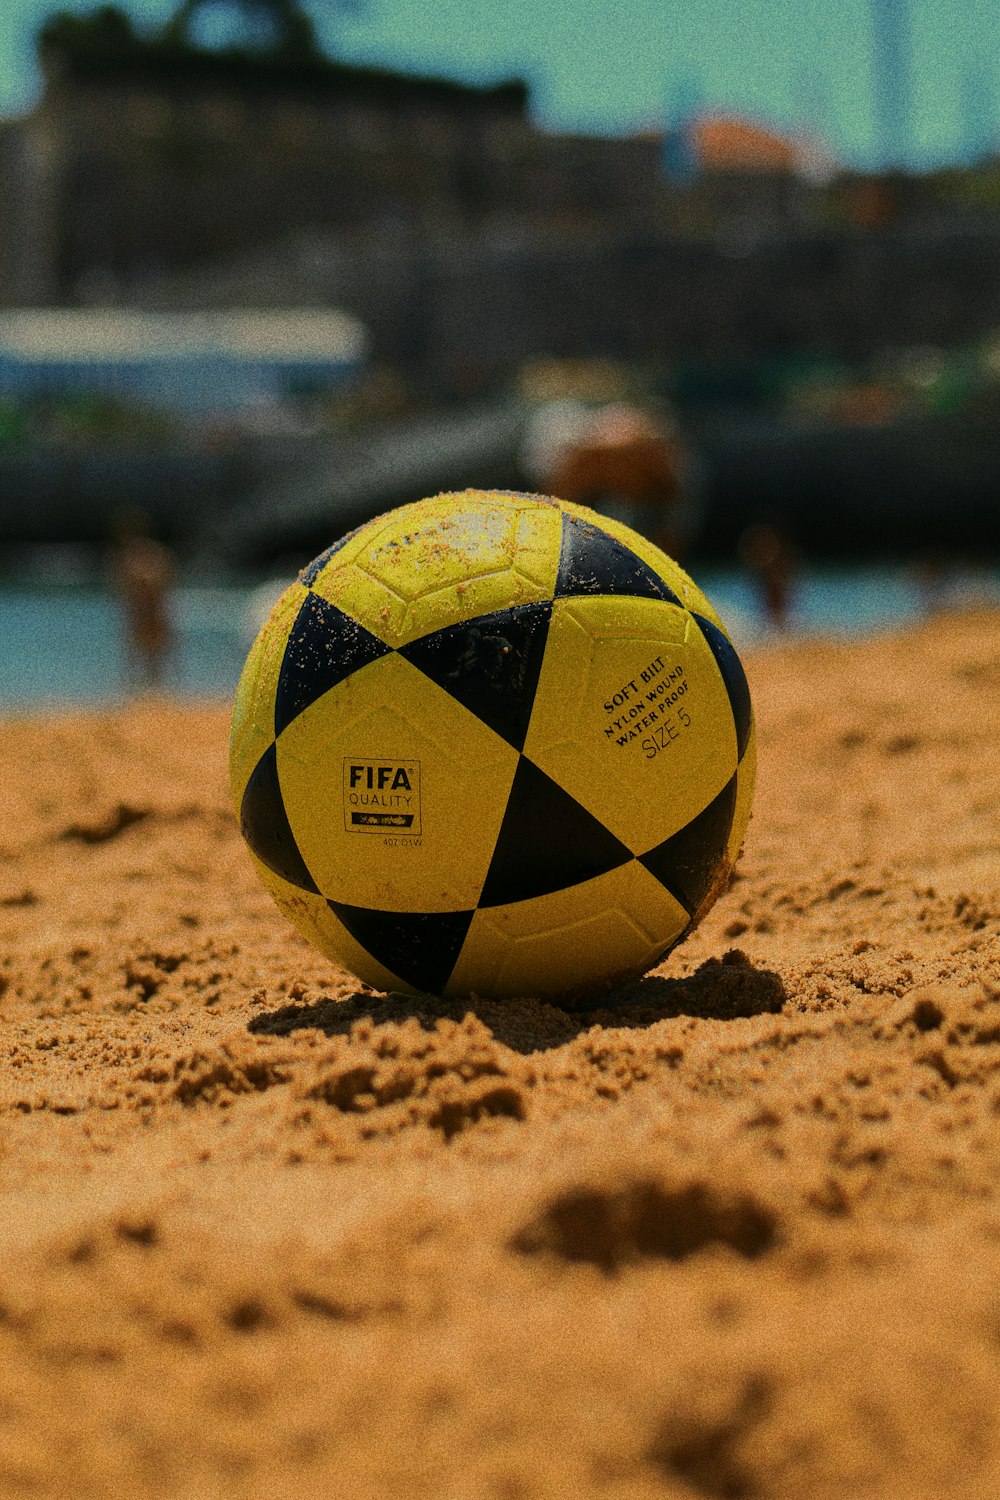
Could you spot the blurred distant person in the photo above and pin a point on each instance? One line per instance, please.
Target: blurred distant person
(142, 575)
(931, 575)
(771, 560)
(624, 463)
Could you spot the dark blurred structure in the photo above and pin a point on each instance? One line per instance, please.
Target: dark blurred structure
(159, 175)
(155, 170)
(186, 412)
(150, 154)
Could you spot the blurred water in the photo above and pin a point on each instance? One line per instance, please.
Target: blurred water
(62, 644)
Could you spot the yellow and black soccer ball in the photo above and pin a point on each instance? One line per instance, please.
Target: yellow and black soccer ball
(493, 743)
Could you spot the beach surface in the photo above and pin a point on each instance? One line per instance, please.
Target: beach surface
(735, 1234)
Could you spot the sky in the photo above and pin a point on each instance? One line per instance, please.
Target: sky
(615, 66)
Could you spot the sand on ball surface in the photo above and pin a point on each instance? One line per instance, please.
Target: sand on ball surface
(736, 1234)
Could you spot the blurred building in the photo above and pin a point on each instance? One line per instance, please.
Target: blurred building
(149, 154)
(158, 173)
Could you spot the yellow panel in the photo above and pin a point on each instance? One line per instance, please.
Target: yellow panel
(395, 793)
(253, 711)
(317, 923)
(445, 560)
(613, 927)
(661, 563)
(744, 798)
(631, 715)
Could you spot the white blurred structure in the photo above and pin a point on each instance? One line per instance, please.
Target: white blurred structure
(192, 361)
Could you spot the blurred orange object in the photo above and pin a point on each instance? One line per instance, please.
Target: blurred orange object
(868, 404)
(735, 145)
(627, 464)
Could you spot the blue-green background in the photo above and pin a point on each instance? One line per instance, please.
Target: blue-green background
(64, 643)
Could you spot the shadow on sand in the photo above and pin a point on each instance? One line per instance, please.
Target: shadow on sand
(720, 990)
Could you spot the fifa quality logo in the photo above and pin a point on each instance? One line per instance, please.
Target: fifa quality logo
(382, 796)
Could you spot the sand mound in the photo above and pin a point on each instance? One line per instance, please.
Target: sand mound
(734, 1235)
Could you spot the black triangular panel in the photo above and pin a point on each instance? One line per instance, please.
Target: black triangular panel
(324, 646)
(421, 947)
(686, 862)
(735, 679)
(490, 664)
(309, 574)
(264, 824)
(547, 841)
(591, 561)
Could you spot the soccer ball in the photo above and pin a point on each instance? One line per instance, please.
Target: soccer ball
(495, 744)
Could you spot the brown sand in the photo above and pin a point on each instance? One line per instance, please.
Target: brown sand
(736, 1235)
